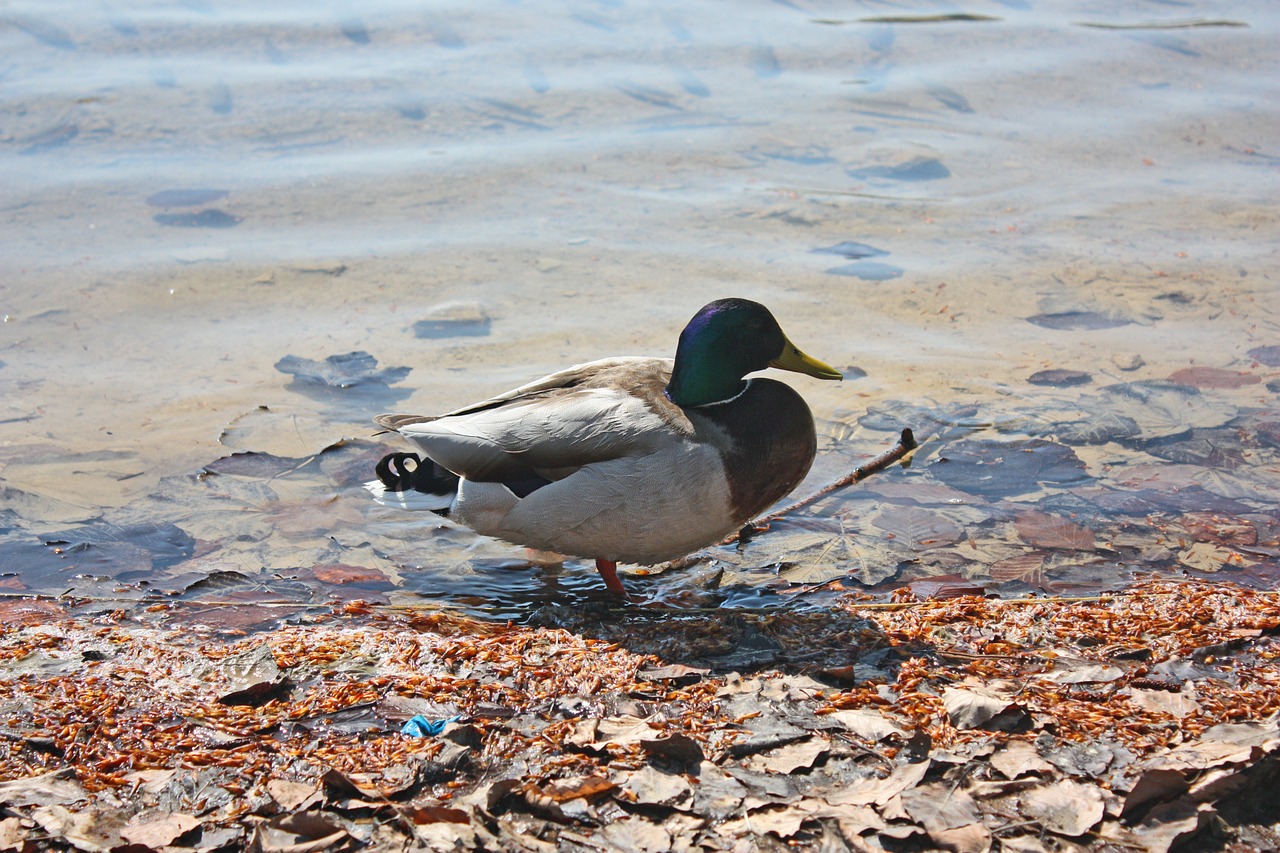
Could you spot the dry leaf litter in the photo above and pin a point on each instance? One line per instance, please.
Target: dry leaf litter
(1138, 721)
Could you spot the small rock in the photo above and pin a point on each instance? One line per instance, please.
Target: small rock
(1127, 360)
(454, 319)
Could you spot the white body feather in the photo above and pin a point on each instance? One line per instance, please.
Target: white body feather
(627, 485)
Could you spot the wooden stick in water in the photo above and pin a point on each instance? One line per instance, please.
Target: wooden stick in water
(906, 444)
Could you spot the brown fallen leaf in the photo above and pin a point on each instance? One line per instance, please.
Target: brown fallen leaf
(940, 806)
(1017, 758)
(157, 831)
(653, 787)
(783, 821)
(584, 787)
(1066, 807)
(303, 832)
(622, 731)
(1223, 529)
(717, 794)
(1213, 377)
(874, 791)
(1051, 531)
(1164, 827)
(1076, 671)
(974, 708)
(293, 796)
(88, 829)
(435, 814)
(680, 750)
(1027, 568)
(57, 788)
(23, 612)
(868, 724)
(1154, 785)
(1208, 557)
(340, 573)
(1176, 705)
(673, 672)
(12, 836)
(637, 834)
(792, 757)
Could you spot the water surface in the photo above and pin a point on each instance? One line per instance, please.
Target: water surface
(473, 194)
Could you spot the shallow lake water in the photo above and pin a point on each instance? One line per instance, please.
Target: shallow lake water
(1042, 235)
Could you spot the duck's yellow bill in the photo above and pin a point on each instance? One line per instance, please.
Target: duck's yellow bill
(793, 359)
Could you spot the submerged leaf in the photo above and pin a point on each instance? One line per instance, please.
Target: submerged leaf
(916, 169)
(851, 250)
(346, 370)
(1268, 355)
(1213, 377)
(1004, 469)
(1051, 531)
(1158, 407)
(1108, 426)
(1073, 320)
(211, 218)
(1060, 378)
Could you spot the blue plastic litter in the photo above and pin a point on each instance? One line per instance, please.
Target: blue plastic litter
(420, 726)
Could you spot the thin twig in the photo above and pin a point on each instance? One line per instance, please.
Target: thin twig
(906, 444)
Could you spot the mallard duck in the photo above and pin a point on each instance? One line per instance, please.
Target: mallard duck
(633, 460)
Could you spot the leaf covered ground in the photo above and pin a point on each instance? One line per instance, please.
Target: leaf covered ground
(1147, 720)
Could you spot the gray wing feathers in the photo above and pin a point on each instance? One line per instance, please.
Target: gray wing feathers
(553, 437)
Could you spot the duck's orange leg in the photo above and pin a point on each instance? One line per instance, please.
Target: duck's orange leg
(608, 570)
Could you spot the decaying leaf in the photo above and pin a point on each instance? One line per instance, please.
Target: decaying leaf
(1005, 468)
(293, 796)
(1177, 705)
(653, 787)
(939, 806)
(678, 750)
(1018, 758)
(579, 787)
(878, 791)
(1027, 568)
(783, 821)
(13, 837)
(1158, 407)
(92, 830)
(1051, 531)
(1221, 528)
(639, 835)
(1066, 807)
(1213, 377)
(1208, 557)
(792, 757)
(1075, 671)
(162, 830)
(303, 832)
(918, 527)
(869, 724)
(972, 708)
(57, 788)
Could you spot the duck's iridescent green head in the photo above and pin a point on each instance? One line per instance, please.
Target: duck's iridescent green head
(724, 342)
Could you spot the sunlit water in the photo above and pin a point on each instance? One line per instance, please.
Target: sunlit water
(946, 200)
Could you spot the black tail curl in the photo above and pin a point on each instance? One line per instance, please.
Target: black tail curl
(396, 473)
